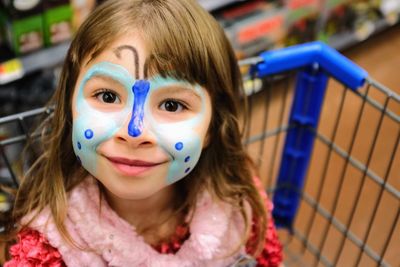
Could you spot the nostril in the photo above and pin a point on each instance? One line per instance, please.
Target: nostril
(146, 143)
(121, 138)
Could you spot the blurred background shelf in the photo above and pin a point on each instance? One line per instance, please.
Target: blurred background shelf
(212, 5)
(18, 67)
(345, 40)
(252, 26)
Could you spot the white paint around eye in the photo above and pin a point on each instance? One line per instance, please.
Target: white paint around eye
(105, 124)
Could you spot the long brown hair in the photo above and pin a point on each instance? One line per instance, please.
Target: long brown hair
(185, 42)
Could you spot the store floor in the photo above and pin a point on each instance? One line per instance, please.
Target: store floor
(347, 195)
(380, 56)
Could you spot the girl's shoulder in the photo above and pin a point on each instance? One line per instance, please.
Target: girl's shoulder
(33, 249)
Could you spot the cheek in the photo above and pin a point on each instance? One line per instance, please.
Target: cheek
(184, 145)
(90, 129)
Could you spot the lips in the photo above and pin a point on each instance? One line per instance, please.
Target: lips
(132, 162)
(131, 167)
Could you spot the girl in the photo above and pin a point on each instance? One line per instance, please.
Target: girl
(156, 174)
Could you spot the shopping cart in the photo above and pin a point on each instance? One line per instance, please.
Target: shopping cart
(327, 152)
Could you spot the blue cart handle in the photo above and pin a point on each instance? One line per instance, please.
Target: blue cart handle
(298, 56)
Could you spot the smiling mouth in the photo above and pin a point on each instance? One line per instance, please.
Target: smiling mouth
(132, 167)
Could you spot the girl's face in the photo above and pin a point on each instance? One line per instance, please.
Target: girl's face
(137, 135)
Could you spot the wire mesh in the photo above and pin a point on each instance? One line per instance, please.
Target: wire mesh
(350, 203)
(18, 136)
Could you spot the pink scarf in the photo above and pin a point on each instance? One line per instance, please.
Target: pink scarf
(110, 241)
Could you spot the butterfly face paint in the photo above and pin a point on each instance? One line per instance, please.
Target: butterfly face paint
(179, 138)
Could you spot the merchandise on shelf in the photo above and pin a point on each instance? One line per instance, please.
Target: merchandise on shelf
(57, 17)
(366, 16)
(358, 18)
(338, 17)
(390, 10)
(369, 12)
(23, 24)
(302, 20)
(11, 70)
(254, 26)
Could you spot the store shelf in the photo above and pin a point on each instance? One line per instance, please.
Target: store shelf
(344, 40)
(17, 68)
(211, 5)
(14, 69)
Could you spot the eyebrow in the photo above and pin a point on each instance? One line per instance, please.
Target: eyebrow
(104, 77)
(174, 89)
(109, 81)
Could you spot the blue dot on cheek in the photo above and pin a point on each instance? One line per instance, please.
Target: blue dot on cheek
(79, 159)
(187, 158)
(88, 134)
(179, 146)
(79, 145)
(187, 170)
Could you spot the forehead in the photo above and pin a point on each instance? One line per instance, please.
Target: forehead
(128, 51)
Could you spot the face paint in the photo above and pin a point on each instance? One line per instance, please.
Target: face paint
(178, 139)
(91, 127)
(140, 90)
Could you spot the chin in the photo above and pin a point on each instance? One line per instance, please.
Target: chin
(127, 193)
(141, 195)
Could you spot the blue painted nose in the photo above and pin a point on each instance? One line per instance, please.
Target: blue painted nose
(140, 90)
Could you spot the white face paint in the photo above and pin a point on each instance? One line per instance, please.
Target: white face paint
(174, 139)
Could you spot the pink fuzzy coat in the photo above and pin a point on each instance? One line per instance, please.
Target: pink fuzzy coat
(216, 229)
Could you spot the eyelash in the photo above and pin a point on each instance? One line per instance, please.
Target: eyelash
(97, 93)
(179, 102)
(182, 104)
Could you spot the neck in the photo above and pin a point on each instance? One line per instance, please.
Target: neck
(145, 214)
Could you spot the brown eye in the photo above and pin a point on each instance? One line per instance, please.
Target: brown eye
(108, 97)
(172, 106)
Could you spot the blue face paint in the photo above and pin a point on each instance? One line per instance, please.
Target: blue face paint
(89, 134)
(179, 146)
(140, 90)
(178, 139)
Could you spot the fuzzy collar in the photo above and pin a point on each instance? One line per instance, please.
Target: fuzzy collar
(110, 241)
